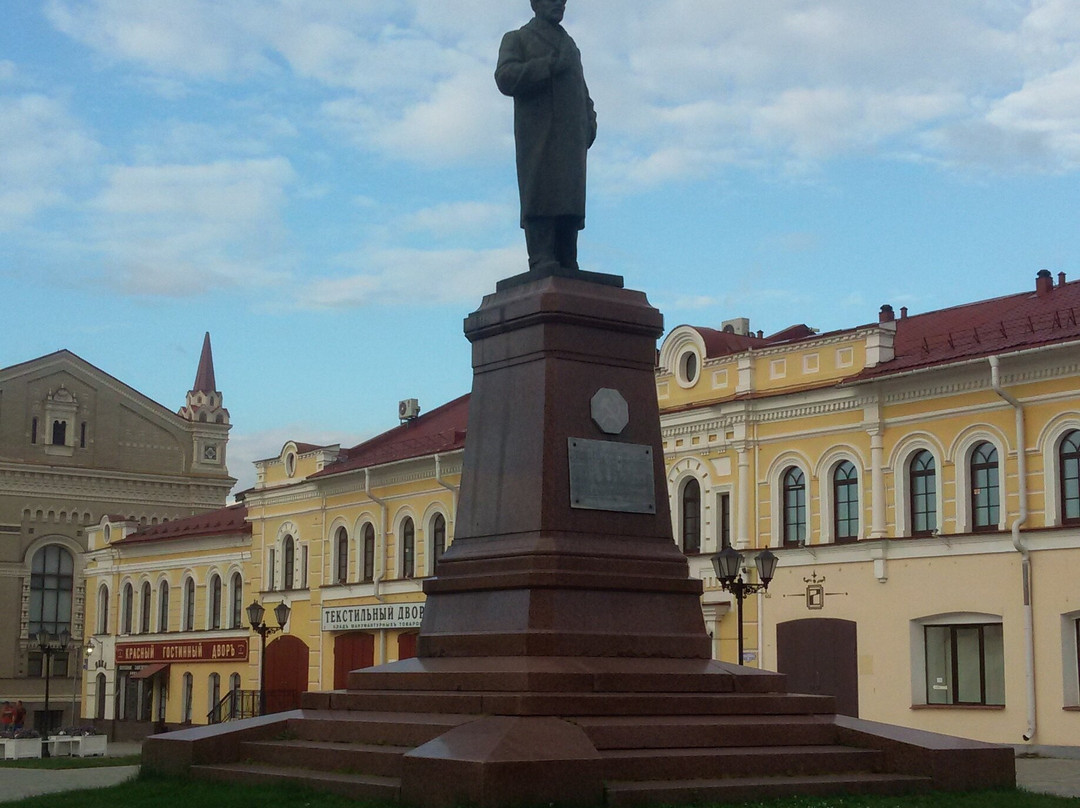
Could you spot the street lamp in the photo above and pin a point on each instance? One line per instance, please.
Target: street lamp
(255, 614)
(49, 644)
(729, 567)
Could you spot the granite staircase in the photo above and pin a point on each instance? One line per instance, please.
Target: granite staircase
(659, 738)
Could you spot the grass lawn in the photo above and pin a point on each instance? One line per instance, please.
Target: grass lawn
(67, 762)
(162, 792)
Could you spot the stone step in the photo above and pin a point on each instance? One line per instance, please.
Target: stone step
(356, 786)
(574, 704)
(736, 789)
(393, 729)
(362, 758)
(724, 762)
(703, 731)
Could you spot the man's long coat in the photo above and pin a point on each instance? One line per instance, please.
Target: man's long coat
(554, 120)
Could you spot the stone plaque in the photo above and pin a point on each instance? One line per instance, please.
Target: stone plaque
(610, 476)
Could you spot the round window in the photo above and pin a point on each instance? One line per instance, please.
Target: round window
(688, 365)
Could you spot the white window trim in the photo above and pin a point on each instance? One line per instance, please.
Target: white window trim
(965, 520)
(827, 506)
(902, 485)
(917, 643)
(1070, 675)
(776, 487)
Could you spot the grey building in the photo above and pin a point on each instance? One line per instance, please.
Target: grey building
(76, 445)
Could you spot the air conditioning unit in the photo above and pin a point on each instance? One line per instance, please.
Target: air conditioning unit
(408, 409)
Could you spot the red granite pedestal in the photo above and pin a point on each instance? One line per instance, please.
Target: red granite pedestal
(563, 656)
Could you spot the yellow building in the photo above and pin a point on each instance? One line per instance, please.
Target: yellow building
(919, 478)
(166, 607)
(344, 537)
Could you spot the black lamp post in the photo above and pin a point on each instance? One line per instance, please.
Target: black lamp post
(49, 644)
(255, 614)
(729, 567)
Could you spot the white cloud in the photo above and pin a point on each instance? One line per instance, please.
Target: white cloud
(43, 153)
(403, 275)
(455, 218)
(195, 38)
(181, 230)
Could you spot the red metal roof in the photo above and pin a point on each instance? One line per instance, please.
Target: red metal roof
(441, 430)
(231, 519)
(983, 328)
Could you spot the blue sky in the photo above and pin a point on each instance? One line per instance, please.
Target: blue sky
(327, 186)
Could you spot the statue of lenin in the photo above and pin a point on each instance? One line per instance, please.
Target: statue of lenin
(554, 125)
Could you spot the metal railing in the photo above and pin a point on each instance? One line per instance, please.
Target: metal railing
(238, 704)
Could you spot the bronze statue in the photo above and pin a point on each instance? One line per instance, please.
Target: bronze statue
(554, 125)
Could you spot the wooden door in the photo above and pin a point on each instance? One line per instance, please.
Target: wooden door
(352, 651)
(820, 656)
(286, 673)
(406, 645)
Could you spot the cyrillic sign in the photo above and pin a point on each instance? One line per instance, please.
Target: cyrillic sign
(367, 618)
(182, 651)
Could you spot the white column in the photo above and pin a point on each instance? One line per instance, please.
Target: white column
(877, 486)
(742, 540)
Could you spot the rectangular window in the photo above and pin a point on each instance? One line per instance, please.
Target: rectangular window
(965, 664)
(725, 521)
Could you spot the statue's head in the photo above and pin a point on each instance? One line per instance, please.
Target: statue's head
(549, 10)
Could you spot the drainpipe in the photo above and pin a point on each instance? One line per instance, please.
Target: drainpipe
(1018, 543)
(380, 544)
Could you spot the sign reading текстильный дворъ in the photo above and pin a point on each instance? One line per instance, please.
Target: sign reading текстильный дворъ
(383, 615)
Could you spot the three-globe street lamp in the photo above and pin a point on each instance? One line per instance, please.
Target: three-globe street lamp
(49, 644)
(255, 613)
(728, 565)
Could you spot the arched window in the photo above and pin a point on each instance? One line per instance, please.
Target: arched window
(186, 705)
(922, 481)
(236, 611)
(213, 687)
(189, 605)
(103, 610)
(369, 552)
(438, 539)
(163, 606)
(1069, 477)
(408, 548)
(51, 579)
(215, 602)
(33, 430)
(794, 516)
(144, 605)
(845, 503)
(342, 545)
(690, 529)
(99, 697)
(127, 606)
(288, 561)
(985, 493)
